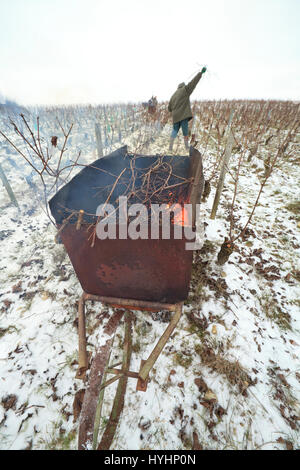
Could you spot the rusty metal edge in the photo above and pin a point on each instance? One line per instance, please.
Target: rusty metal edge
(130, 303)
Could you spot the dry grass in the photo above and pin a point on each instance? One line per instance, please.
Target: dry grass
(231, 370)
(294, 207)
(202, 279)
(275, 313)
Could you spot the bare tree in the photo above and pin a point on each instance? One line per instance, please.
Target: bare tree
(41, 158)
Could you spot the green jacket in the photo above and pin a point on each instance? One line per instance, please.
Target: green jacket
(179, 104)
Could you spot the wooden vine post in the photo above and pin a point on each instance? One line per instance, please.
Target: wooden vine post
(8, 187)
(224, 167)
(98, 140)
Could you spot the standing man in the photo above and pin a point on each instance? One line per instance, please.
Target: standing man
(180, 107)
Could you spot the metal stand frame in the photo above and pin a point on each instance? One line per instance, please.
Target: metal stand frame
(128, 304)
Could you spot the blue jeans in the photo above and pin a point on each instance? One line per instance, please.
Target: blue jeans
(184, 124)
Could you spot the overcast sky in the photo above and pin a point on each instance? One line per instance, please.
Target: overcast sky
(94, 51)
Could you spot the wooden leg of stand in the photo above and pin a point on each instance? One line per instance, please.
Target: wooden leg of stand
(82, 354)
(145, 369)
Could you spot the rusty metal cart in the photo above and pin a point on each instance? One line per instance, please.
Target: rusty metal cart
(141, 274)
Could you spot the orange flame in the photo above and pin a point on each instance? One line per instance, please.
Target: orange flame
(180, 214)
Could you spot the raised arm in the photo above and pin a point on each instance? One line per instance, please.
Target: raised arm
(190, 87)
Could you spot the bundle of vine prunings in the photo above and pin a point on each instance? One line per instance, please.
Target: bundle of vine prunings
(144, 180)
(156, 184)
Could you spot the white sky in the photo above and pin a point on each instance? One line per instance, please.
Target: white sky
(95, 51)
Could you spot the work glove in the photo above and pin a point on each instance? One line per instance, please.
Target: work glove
(203, 70)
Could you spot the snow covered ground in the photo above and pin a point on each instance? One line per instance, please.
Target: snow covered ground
(230, 372)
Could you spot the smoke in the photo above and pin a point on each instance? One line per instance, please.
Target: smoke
(2, 100)
(9, 106)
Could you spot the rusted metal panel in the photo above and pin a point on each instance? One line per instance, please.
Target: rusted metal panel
(153, 270)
